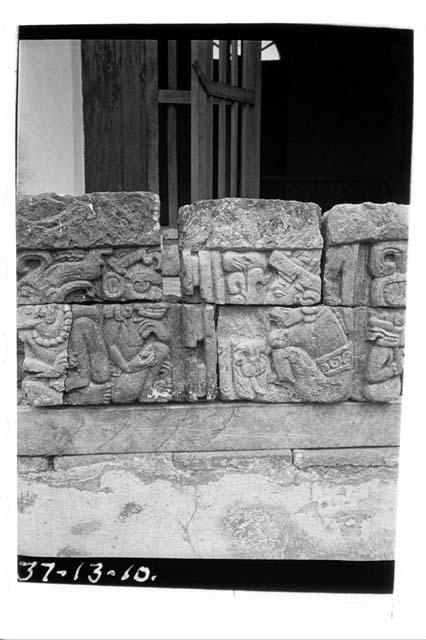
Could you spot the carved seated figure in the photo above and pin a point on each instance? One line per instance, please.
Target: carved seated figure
(44, 331)
(136, 339)
(88, 379)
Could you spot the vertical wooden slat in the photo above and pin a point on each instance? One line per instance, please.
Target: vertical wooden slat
(233, 169)
(201, 124)
(171, 136)
(149, 114)
(131, 99)
(250, 130)
(222, 132)
(101, 84)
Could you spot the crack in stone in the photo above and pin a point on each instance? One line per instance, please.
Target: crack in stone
(185, 527)
(117, 433)
(160, 448)
(225, 424)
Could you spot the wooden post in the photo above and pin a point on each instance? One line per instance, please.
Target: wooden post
(149, 113)
(250, 129)
(201, 124)
(233, 169)
(171, 136)
(222, 133)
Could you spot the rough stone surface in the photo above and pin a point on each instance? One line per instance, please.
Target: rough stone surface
(104, 219)
(246, 251)
(194, 505)
(378, 339)
(34, 464)
(44, 332)
(284, 355)
(366, 222)
(218, 426)
(81, 275)
(365, 255)
(372, 457)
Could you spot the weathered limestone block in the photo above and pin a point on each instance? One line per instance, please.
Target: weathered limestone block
(73, 249)
(207, 505)
(248, 251)
(104, 219)
(140, 352)
(44, 332)
(365, 254)
(378, 337)
(279, 354)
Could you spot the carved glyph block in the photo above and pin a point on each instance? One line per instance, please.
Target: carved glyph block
(44, 331)
(80, 275)
(246, 251)
(365, 255)
(285, 355)
(128, 353)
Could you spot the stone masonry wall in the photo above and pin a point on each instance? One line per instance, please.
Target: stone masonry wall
(280, 304)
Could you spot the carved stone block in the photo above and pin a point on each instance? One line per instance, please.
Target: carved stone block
(80, 275)
(378, 337)
(127, 353)
(366, 254)
(44, 332)
(279, 354)
(104, 219)
(310, 354)
(246, 251)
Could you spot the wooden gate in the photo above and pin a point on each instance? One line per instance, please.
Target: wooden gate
(121, 102)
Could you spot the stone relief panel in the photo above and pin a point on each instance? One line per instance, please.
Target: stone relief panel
(244, 251)
(128, 353)
(80, 275)
(286, 277)
(378, 354)
(365, 255)
(43, 331)
(285, 355)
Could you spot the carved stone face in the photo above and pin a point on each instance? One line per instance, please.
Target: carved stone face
(250, 356)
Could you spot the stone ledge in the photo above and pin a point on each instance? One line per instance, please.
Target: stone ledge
(218, 426)
(362, 457)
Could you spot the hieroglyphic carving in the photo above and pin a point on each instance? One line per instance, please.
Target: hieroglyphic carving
(379, 354)
(44, 331)
(387, 266)
(285, 355)
(365, 254)
(141, 352)
(287, 277)
(80, 275)
(366, 274)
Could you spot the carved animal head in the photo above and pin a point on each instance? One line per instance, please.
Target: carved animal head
(250, 356)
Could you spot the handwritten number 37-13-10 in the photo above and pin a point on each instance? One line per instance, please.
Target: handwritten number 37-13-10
(96, 571)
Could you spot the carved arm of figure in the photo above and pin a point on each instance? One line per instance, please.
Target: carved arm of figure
(40, 369)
